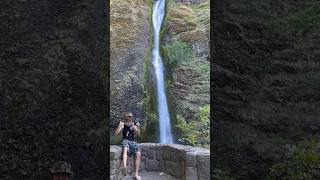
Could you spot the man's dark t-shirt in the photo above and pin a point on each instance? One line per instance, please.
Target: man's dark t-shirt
(127, 133)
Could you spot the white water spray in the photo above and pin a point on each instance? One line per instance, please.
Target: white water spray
(162, 105)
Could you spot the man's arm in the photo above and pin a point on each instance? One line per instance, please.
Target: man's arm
(119, 128)
(137, 129)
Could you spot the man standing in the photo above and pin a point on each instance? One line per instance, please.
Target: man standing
(129, 145)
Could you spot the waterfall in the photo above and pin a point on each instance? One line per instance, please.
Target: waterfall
(162, 105)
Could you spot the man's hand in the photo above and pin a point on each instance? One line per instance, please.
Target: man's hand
(121, 124)
(136, 129)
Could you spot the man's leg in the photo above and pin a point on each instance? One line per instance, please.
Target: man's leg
(125, 156)
(137, 163)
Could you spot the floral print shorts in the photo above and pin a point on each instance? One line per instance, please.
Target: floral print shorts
(132, 146)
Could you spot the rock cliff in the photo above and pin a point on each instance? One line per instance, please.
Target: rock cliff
(130, 43)
(185, 49)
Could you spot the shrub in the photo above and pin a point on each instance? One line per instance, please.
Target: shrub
(197, 131)
(178, 52)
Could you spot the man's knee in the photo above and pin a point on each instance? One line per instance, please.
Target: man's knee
(125, 150)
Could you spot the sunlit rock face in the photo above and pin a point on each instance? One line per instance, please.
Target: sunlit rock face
(265, 82)
(185, 50)
(52, 88)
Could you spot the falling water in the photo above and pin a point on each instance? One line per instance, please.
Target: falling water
(164, 118)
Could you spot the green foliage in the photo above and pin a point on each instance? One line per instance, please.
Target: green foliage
(148, 129)
(203, 68)
(197, 131)
(146, 101)
(169, 84)
(301, 162)
(178, 52)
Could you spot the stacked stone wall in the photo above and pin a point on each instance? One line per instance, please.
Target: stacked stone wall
(182, 162)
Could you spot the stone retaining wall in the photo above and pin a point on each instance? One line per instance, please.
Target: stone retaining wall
(183, 162)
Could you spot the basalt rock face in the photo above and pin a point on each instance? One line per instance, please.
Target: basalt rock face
(130, 43)
(53, 89)
(185, 49)
(265, 77)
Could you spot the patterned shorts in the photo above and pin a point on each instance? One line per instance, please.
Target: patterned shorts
(132, 146)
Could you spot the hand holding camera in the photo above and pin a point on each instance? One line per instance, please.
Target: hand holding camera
(121, 124)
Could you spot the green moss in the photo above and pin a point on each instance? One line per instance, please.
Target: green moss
(177, 52)
(149, 102)
(202, 68)
(149, 130)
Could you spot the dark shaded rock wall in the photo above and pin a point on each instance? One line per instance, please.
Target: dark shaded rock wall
(53, 89)
(265, 74)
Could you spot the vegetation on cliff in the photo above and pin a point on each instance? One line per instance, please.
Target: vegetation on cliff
(184, 47)
(196, 132)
